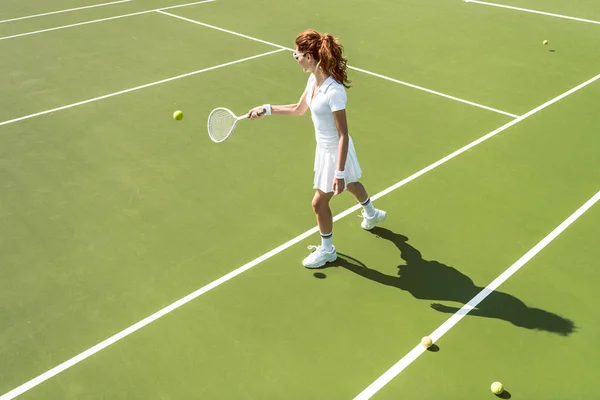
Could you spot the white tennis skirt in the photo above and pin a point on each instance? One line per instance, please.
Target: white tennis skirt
(326, 157)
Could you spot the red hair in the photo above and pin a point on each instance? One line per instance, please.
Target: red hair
(328, 52)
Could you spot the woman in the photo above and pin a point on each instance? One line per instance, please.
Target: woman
(336, 165)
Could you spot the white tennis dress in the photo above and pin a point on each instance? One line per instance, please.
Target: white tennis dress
(330, 97)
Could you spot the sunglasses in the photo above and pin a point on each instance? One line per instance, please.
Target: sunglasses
(298, 55)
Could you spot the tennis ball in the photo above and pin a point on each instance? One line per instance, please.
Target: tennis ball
(426, 341)
(545, 42)
(497, 388)
(178, 115)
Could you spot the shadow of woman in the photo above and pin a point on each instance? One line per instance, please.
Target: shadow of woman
(432, 280)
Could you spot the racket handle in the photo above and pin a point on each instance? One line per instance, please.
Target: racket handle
(260, 114)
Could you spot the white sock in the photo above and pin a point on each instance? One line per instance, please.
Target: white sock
(326, 241)
(368, 207)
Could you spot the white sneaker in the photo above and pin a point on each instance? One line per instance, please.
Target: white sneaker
(319, 257)
(370, 223)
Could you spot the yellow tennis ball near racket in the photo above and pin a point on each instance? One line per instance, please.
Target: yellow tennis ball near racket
(178, 115)
(497, 388)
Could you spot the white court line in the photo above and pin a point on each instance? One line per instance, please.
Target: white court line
(434, 92)
(455, 318)
(350, 67)
(102, 20)
(193, 21)
(136, 88)
(533, 11)
(64, 11)
(128, 331)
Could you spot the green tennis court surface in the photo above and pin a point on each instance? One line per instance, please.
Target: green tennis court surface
(110, 210)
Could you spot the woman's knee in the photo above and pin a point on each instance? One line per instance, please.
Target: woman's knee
(320, 202)
(317, 204)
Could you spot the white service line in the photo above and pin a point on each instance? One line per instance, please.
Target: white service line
(350, 67)
(128, 331)
(10, 121)
(434, 92)
(533, 11)
(412, 355)
(193, 21)
(64, 11)
(102, 20)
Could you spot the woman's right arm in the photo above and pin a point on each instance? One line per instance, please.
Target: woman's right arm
(297, 109)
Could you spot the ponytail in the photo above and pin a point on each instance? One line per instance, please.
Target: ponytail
(332, 59)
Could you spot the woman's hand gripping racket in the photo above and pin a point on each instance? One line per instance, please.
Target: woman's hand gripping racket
(222, 123)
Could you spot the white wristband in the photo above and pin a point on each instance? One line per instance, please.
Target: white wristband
(339, 174)
(267, 108)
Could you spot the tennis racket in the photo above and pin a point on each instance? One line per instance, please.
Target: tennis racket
(222, 122)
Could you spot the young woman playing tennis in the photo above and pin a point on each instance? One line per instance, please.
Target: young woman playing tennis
(336, 165)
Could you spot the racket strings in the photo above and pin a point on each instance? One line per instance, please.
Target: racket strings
(220, 124)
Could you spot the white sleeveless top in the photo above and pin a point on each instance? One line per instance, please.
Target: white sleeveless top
(330, 97)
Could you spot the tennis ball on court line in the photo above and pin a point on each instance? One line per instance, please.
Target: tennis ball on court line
(545, 42)
(178, 115)
(426, 342)
(497, 388)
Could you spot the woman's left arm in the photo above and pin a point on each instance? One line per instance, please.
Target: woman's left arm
(342, 127)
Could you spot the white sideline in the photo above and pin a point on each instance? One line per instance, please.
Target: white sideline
(412, 355)
(102, 20)
(64, 11)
